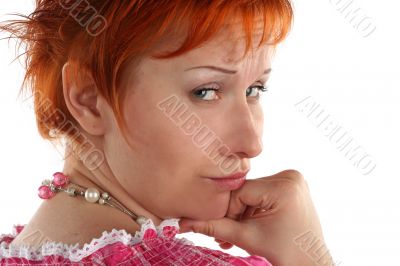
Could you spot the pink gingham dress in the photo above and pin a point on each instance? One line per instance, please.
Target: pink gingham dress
(152, 245)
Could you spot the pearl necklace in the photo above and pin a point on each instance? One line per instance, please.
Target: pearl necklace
(61, 182)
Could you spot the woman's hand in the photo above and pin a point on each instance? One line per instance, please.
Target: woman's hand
(273, 217)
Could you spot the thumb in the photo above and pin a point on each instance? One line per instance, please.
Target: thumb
(225, 228)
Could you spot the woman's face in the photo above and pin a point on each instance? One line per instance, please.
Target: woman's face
(166, 164)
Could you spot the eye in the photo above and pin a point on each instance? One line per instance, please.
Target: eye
(206, 94)
(211, 93)
(255, 91)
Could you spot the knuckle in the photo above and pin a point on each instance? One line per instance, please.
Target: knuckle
(210, 229)
(296, 181)
(206, 228)
(196, 229)
(294, 176)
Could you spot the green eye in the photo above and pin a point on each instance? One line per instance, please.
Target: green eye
(255, 91)
(211, 94)
(206, 94)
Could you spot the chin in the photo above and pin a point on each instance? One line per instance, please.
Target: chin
(210, 213)
(206, 208)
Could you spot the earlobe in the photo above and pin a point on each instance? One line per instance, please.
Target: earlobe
(81, 97)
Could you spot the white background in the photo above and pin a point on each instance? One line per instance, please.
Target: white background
(356, 81)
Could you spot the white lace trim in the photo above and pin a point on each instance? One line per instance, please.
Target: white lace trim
(73, 252)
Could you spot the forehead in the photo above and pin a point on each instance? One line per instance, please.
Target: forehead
(227, 47)
(230, 43)
(224, 49)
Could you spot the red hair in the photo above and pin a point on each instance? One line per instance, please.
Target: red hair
(103, 37)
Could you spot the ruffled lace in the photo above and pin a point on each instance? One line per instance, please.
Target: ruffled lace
(167, 228)
(151, 245)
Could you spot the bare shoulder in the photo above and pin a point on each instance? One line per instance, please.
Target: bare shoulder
(49, 226)
(36, 236)
(71, 221)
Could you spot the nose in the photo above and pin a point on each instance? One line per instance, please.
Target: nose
(243, 134)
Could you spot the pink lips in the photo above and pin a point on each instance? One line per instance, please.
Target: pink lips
(231, 182)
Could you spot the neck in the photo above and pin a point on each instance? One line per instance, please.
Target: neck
(101, 177)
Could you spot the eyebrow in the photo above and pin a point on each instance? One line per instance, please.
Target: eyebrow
(223, 70)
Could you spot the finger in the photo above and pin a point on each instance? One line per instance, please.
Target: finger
(260, 193)
(253, 194)
(224, 229)
(256, 212)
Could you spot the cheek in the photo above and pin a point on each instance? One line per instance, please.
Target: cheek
(162, 140)
(164, 161)
(159, 144)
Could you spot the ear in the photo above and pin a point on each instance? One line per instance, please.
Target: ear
(82, 98)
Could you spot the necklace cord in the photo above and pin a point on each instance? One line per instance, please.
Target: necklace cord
(62, 183)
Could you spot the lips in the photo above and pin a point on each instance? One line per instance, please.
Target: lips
(234, 176)
(231, 182)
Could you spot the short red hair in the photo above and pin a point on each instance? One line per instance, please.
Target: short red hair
(103, 37)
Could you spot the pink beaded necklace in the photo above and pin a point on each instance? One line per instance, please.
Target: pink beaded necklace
(61, 182)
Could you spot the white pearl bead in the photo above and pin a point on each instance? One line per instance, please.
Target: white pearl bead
(105, 195)
(92, 195)
(141, 220)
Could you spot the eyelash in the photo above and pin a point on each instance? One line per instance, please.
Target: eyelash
(261, 88)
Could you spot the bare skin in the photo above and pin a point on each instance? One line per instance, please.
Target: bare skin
(273, 217)
(162, 162)
(162, 173)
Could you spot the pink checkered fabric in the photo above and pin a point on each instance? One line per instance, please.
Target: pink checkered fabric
(152, 245)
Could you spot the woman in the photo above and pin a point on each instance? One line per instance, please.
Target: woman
(140, 92)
